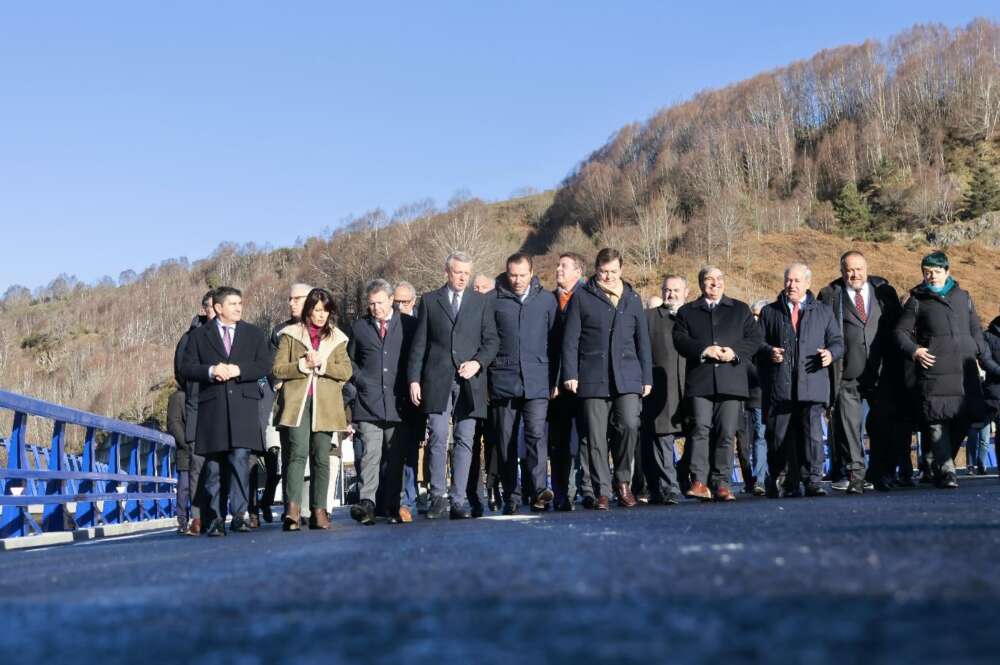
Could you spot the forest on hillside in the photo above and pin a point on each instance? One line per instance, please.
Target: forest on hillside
(880, 141)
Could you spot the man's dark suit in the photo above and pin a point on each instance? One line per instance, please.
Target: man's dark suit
(441, 343)
(228, 412)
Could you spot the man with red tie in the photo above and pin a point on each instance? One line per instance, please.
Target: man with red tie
(866, 308)
(802, 338)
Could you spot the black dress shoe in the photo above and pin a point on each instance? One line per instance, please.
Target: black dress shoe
(813, 489)
(363, 512)
(461, 513)
(856, 486)
(438, 508)
(216, 528)
(565, 506)
(240, 525)
(511, 508)
(589, 502)
(266, 513)
(477, 510)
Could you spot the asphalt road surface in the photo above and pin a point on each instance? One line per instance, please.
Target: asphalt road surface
(906, 577)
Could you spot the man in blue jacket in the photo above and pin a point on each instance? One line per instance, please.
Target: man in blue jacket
(802, 338)
(606, 360)
(521, 378)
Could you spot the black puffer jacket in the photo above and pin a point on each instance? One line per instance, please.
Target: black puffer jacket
(990, 362)
(948, 326)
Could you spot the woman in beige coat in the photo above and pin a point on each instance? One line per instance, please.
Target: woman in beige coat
(313, 365)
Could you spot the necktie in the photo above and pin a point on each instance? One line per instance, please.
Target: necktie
(795, 316)
(227, 339)
(859, 304)
(454, 302)
(382, 329)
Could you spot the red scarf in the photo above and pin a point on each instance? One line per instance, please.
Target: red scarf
(314, 339)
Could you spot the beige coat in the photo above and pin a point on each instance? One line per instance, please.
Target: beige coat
(327, 380)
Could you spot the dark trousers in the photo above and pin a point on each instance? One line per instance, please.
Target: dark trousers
(567, 437)
(464, 474)
(506, 418)
(271, 477)
(890, 435)
(847, 423)
(183, 495)
(713, 439)
(413, 430)
(940, 442)
(795, 443)
(619, 418)
(236, 469)
(655, 468)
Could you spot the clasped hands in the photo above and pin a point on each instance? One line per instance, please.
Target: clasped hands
(722, 354)
(824, 355)
(224, 371)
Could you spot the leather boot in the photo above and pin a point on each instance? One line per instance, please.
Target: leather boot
(292, 515)
(319, 520)
(625, 497)
(194, 527)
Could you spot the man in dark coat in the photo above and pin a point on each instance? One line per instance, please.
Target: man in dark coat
(182, 462)
(379, 347)
(185, 451)
(803, 339)
(567, 427)
(606, 360)
(228, 358)
(454, 343)
(663, 413)
(866, 309)
(940, 330)
(716, 335)
(521, 379)
(751, 442)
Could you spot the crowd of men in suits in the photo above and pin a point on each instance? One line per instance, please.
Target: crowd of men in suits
(518, 395)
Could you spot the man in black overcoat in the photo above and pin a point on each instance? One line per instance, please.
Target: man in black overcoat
(229, 359)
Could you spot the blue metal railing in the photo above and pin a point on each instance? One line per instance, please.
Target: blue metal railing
(77, 491)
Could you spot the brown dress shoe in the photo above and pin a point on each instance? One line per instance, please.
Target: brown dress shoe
(698, 490)
(254, 521)
(724, 494)
(602, 503)
(625, 498)
(194, 527)
(292, 515)
(405, 515)
(320, 519)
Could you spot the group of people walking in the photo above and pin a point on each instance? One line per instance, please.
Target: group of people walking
(521, 395)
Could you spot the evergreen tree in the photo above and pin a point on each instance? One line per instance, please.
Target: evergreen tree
(851, 209)
(983, 195)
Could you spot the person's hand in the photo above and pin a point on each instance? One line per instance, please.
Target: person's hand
(924, 357)
(712, 352)
(234, 371)
(469, 369)
(646, 389)
(220, 372)
(825, 357)
(554, 392)
(312, 359)
(415, 393)
(777, 355)
(726, 354)
(571, 385)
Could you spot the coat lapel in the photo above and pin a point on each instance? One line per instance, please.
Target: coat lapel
(215, 338)
(446, 306)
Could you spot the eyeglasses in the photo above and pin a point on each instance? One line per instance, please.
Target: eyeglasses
(402, 302)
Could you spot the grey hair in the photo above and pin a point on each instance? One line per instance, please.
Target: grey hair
(299, 286)
(705, 270)
(759, 304)
(406, 285)
(663, 284)
(805, 269)
(461, 257)
(376, 285)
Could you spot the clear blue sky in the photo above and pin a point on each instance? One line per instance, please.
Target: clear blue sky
(132, 132)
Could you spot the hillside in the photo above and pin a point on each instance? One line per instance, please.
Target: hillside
(890, 148)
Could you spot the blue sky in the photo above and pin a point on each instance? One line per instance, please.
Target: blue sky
(133, 132)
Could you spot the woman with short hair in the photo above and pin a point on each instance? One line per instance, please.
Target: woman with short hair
(940, 330)
(313, 365)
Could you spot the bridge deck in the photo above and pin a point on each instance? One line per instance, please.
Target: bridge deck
(909, 576)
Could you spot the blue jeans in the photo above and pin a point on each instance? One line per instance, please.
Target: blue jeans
(757, 430)
(977, 446)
